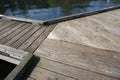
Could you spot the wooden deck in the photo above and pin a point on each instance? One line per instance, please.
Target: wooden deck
(99, 31)
(22, 35)
(81, 49)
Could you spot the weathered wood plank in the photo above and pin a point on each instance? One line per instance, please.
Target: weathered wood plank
(71, 71)
(25, 37)
(96, 33)
(18, 36)
(104, 35)
(19, 70)
(1, 19)
(3, 22)
(10, 36)
(11, 52)
(107, 18)
(66, 58)
(44, 74)
(7, 27)
(9, 59)
(110, 35)
(39, 40)
(101, 32)
(29, 41)
(12, 30)
(30, 78)
(93, 61)
(116, 12)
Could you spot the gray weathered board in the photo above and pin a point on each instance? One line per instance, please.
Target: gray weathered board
(18, 57)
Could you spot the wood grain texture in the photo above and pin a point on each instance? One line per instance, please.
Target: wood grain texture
(87, 48)
(40, 39)
(18, 57)
(20, 69)
(99, 31)
(8, 38)
(10, 31)
(10, 41)
(25, 37)
(11, 55)
(29, 41)
(84, 49)
(30, 78)
(82, 58)
(71, 71)
(44, 74)
(11, 52)
(22, 35)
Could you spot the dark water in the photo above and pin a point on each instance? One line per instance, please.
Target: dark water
(5, 69)
(50, 9)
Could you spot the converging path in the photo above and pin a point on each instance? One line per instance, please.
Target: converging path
(86, 48)
(23, 35)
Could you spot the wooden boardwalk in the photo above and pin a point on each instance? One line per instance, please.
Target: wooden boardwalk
(99, 31)
(81, 49)
(22, 35)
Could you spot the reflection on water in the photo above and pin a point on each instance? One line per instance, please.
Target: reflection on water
(49, 9)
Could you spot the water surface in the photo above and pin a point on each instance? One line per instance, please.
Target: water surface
(50, 9)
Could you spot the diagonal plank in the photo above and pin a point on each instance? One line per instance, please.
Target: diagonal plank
(70, 71)
(86, 57)
(43, 74)
(29, 41)
(25, 37)
(39, 40)
(12, 30)
(19, 35)
(13, 34)
(7, 27)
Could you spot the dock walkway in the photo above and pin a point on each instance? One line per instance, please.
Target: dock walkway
(22, 35)
(86, 48)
